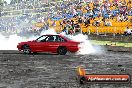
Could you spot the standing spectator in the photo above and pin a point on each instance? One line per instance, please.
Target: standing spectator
(54, 23)
(74, 12)
(87, 22)
(80, 20)
(77, 27)
(109, 23)
(128, 31)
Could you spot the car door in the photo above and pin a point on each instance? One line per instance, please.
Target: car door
(52, 44)
(40, 44)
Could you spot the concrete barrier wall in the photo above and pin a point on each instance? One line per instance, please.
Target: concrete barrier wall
(111, 38)
(118, 48)
(119, 38)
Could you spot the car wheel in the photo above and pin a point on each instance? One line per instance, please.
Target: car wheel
(26, 49)
(62, 50)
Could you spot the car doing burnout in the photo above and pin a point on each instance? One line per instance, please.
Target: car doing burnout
(49, 43)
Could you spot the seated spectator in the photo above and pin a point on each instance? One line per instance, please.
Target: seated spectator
(65, 30)
(74, 12)
(125, 18)
(108, 23)
(91, 13)
(87, 22)
(64, 20)
(119, 18)
(96, 23)
(122, 17)
(69, 28)
(87, 8)
(72, 24)
(77, 27)
(80, 20)
(54, 23)
(128, 31)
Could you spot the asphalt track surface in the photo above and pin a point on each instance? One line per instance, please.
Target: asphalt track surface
(58, 71)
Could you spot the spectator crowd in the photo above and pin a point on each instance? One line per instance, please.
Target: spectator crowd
(70, 14)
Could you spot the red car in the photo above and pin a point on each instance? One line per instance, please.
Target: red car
(49, 43)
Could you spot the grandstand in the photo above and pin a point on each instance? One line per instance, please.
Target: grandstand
(117, 27)
(105, 16)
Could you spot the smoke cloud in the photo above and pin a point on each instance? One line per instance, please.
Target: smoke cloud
(11, 42)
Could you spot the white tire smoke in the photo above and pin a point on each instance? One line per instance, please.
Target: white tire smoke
(11, 42)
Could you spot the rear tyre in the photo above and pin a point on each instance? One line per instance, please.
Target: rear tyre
(26, 49)
(62, 50)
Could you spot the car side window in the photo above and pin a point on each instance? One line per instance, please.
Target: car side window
(59, 39)
(50, 39)
(42, 39)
